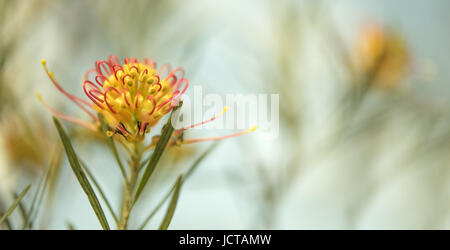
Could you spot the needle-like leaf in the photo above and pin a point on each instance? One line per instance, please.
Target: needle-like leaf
(188, 173)
(23, 212)
(172, 205)
(37, 194)
(14, 205)
(156, 155)
(200, 159)
(156, 209)
(41, 190)
(79, 173)
(100, 190)
(8, 224)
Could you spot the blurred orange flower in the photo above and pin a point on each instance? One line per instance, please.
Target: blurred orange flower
(382, 56)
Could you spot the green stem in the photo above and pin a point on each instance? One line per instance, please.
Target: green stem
(130, 186)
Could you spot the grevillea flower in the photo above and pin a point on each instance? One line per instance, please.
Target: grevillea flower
(132, 97)
(383, 54)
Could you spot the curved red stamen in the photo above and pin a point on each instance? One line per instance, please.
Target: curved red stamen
(113, 60)
(175, 99)
(130, 60)
(112, 88)
(91, 84)
(163, 67)
(158, 79)
(86, 75)
(100, 82)
(169, 109)
(159, 84)
(94, 101)
(125, 76)
(173, 73)
(106, 98)
(88, 93)
(185, 87)
(115, 71)
(153, 101)
(136, 102)
(150, 61)
(175, 95)
(92, 91)
(124, 91)
(134, 67)
(117, 65)
(174, 80)
(103, 65)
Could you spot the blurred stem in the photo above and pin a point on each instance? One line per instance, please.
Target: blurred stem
(130, 186)
(355, 98)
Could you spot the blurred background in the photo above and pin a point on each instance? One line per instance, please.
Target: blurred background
(364, 110)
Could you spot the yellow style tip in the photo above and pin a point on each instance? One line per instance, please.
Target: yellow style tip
(225, 109)
(41, 100)
(44, 65)
(253, 128)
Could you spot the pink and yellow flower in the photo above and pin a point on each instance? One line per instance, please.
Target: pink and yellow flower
(132, 97)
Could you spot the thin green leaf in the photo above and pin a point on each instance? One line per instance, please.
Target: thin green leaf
(82, 179)
(8, 224)
(144, 162)
(39, 195)
(36, 195)
(188, 173)
(200, 159)
(48, 192)
(14, 205)
(156, 209)
(22, 211)
(156, 155)
(100, 190)
(110, 141)
(172, 205)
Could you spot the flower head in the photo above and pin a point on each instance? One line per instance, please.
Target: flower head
(132, 97)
